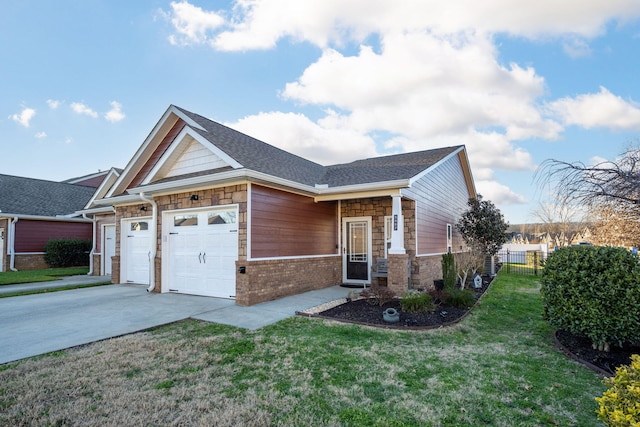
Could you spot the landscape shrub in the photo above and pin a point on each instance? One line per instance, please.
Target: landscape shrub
(620, 403)
(67, 252)
(378, 295)
(593, 292)
(449, 272)
(460, 298)
(416, 302)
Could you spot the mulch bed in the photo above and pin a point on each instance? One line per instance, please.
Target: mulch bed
(605, 363)
(360, 311)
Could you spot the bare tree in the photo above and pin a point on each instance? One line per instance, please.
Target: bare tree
(615, 225)
(615, 182)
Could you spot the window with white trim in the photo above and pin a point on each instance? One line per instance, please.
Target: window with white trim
(388, 230)
(449, 237)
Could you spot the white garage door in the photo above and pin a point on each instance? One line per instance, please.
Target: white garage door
(137, 239)
(203, 249)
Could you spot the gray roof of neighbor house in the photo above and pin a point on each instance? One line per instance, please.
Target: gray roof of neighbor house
(29, 196)
(259, 156)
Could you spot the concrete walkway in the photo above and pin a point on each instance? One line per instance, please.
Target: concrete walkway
(63, 282)
(41, 323)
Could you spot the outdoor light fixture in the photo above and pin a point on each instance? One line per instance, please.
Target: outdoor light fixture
(193, 197)
(143, 208)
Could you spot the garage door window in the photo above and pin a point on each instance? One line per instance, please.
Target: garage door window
(185, 220)
(140, 226)
(219, 218)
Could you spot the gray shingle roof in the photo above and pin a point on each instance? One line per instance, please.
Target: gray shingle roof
(385, 168)
(257, 155)
(262, 157)
(28, 196)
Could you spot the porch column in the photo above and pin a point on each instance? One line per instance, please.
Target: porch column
(397, 227)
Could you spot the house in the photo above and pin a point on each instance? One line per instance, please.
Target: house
(203, 209)
(33, 211)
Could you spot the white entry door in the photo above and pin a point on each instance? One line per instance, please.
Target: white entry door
(202, 251)
(108, 247)
(1, 250)
(136, 239)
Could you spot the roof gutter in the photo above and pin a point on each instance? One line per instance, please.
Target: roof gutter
(12, 240)
(93, 243)
(154, 240)
(247, 174)
(43, 218)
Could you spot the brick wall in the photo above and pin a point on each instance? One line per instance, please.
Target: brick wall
(377, 208)
(426, 269)
(272, 279)
(30, 262)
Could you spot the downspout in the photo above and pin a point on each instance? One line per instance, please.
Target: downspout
(93, 243)
(12, 243)
(154, 240)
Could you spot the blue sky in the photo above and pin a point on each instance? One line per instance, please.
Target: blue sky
(82, 83)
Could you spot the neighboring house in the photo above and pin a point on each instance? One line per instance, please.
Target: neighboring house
(104, 225)
(33, 211)
(203, 209)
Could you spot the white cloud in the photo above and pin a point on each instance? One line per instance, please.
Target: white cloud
(261, 24)
(192, 24)
(41, 135)
(115, 114)
(602, 109)
(301, 136)
(53, 103)
(576, 47)
(499, 194)
(80, 108)
(24, 117)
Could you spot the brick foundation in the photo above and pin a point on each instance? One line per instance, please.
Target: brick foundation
(30, 262)
(426, 269)
(272, 279)
(398, 277)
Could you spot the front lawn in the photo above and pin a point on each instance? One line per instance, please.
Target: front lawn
(47, 275)
(498, 367)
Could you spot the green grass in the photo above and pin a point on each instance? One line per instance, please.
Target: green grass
(50, 274)
(498, 367)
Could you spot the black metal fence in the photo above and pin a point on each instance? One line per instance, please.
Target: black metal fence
(521, 262)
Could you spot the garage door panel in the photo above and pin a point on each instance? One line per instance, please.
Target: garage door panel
(137, 248)
(203, 254)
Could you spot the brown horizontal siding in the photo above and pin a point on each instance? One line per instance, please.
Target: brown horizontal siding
(32, 236)
(159, 151)
(285, 224)
(441, 197)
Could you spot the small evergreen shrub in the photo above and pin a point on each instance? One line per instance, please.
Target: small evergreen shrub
(416, 302)
(593, 292)
(67, 252)
(449, 272)
(620, 403)
(378, 295)
(460, 298)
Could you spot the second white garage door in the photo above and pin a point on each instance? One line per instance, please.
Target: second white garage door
(203, 249)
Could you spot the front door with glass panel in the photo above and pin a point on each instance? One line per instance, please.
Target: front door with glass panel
(357, 249)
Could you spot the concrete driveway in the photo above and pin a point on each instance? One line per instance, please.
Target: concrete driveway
(36, 324)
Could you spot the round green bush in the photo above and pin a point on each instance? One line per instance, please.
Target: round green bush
(593, 292)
